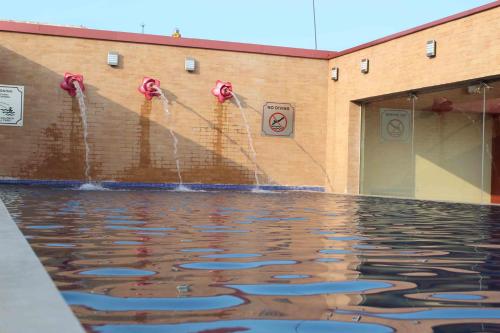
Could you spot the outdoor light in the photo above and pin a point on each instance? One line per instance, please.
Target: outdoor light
(113, 58)
(190, 65)
(431, 48)
(478, 88)
(335, 73)
(364, 65)
(474, 89)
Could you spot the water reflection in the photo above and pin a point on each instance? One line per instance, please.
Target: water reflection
(117, 271)
(287, 262)
(110, 303)
(319, 288)
(252, 326)
(225, 265)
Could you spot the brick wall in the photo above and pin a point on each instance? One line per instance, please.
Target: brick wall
(129, 136)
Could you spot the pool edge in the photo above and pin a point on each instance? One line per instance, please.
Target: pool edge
(30, 300)
(166, 186)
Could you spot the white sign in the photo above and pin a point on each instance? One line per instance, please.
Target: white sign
(395, 124)
(11, 105)
(278, 119)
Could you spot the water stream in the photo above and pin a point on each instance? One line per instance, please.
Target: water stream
(80, 96)
(164, 100)
(253, 154)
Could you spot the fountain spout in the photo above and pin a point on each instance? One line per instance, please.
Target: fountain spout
(223, 91)
(149, 88)
(69, 81)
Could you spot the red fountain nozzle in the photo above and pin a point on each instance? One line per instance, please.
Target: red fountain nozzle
(148, 87)
(223, 91)
(68, 83)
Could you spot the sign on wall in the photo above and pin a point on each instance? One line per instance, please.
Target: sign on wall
(278, 119)
(395, 124)
(11, 105)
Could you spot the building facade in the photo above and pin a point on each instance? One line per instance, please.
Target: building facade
(408, 125)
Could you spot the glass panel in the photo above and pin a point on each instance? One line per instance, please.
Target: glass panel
(387, 148)
(448, 145)
(492, 145)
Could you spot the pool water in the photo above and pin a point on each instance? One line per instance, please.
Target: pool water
(222, 262)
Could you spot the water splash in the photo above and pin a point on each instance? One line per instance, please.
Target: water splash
(83, 113)
(184, 188)
(174, 138)
(92, 187)
(261, 190)
(253, 154)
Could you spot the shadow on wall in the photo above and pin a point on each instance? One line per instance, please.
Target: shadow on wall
(125, 145)
(246, 106)
(219, 126)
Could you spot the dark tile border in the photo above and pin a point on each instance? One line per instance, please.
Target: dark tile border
(164, 186)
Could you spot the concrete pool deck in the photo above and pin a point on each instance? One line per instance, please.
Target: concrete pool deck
(30, 301)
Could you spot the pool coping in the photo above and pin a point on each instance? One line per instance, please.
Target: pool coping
(165, 186)
(30, 300)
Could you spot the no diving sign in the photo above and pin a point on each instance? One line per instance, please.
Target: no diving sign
(277, 119)
(395, 124)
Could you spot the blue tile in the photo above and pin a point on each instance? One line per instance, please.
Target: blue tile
(167, 186)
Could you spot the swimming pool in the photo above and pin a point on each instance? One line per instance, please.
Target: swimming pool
(161, 261)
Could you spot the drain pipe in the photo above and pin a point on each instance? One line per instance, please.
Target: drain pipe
(413, 97)
(484, 87)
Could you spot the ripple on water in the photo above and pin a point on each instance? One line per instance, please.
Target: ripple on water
(243, 222)
(292, 276)
(201, 250)
(328, 260)
(232, 255)
(458, 297)
(319, 288)
(346, 238)
(235, 265)
(111, 303)
(279, 219)
(335, 251)
(117, 271)
(128, 243)
(152, 233)
(323, 232)
(124, 227)
(251, 325)
(368, 247)
(470, 327)
(436, 313)
(60, 245)
(42, 227)
(112, 221)
(419, 274)
(234, 231)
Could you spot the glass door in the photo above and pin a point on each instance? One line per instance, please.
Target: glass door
(387, 159)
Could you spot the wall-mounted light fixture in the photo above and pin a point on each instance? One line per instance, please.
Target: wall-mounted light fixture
(190, 65)
(365, 65)
(430, 48)
(335, 73)
(474, 89)
(478, 88)
(113, 58)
